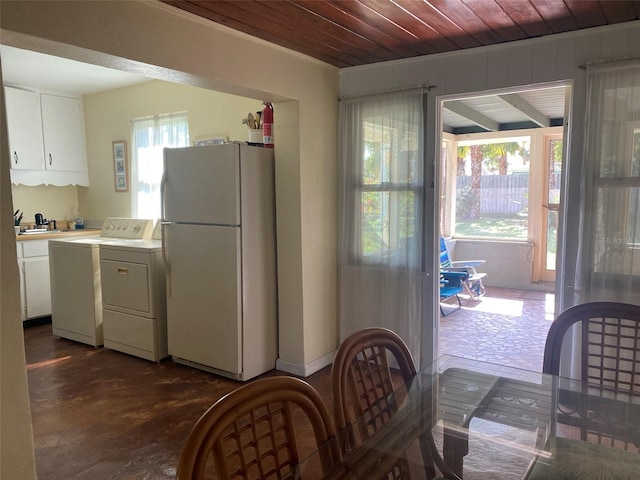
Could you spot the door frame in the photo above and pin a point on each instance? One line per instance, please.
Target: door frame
(433, 137)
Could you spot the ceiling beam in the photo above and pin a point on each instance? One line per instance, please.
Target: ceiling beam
(469, 113)
(517, 102)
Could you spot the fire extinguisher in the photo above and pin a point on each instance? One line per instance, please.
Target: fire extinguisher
(267, 125)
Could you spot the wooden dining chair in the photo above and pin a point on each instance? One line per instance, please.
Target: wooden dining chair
(609, 362)
(368, 375)
(251, 433)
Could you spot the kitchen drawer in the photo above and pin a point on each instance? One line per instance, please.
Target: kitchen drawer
(34, 248)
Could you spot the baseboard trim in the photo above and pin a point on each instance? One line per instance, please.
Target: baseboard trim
(304, 370)
(36, 322)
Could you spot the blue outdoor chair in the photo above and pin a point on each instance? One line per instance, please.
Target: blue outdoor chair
(451, 284)
(473, 283)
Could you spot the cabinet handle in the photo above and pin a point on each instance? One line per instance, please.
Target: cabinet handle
(15, 157)
(122, 271)
(50, 160)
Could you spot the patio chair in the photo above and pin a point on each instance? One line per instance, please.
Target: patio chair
(472, 284)
(451, 284)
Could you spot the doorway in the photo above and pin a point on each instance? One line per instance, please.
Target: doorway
(500, 182)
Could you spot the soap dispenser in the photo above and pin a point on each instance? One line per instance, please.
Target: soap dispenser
(79, 221)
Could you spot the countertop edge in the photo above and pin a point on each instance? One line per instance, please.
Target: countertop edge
(66, 233)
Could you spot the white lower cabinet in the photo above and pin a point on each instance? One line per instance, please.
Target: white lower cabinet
(35, 285)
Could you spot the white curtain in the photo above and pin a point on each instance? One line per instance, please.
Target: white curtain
(381, 209)
(149, 136)
(609, 250)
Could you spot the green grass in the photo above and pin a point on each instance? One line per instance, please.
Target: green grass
(497, 227)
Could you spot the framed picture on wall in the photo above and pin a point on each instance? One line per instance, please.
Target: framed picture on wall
(120, 170)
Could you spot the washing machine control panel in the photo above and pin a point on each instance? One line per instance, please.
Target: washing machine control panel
(135, 228)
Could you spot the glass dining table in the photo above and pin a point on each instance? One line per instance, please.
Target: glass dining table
(495, 422)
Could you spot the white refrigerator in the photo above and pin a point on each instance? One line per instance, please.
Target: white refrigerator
(218, 230)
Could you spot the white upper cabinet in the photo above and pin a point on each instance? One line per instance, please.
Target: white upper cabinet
(25, 129)
(63, 127)
(46, 138)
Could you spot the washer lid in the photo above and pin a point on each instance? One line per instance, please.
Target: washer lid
(148, 244)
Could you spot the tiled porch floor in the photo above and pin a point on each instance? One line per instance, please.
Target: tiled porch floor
(506, 326)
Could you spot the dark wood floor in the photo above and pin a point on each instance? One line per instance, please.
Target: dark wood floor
(99, 414)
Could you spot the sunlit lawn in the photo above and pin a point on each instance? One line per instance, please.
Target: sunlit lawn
(496, 226)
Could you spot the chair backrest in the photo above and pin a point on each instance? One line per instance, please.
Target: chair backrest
(362, 379)
(445, 259)
(609, 362)
(610, 357)
(250, 432)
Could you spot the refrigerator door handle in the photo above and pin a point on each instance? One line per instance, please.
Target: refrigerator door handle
(163, 224)
(165, 256)
(163, 183)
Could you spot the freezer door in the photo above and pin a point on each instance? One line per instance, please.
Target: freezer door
(201, 185)
(204, 303)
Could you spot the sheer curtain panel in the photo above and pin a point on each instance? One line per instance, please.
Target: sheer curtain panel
(380, 203)
(149, 136)
(609, 252)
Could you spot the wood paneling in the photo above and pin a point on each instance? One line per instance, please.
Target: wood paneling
(346, 33)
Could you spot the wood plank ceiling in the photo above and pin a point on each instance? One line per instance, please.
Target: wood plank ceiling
(347, 33)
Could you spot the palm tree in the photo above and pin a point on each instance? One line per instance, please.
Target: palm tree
(496, 154)
(462, 154)
(476, 173)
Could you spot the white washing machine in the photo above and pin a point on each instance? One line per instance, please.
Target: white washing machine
(134, 315)
(74, 269)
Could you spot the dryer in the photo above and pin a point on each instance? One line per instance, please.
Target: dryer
(74, 269)
(134, 315)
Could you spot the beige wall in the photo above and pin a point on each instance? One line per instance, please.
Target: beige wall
(16, 445)
(161, 42)
(158, 41)
(107, 118)
(54, 203)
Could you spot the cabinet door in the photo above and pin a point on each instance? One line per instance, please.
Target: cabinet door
(24, 125)
(37, 286)
(63, 127)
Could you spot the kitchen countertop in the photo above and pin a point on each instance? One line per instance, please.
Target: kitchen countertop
(60, 234)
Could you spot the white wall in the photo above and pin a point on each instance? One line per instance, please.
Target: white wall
(548, 59)
(508, 264)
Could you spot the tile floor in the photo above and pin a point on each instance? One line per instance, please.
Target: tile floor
(506, 326)
(100, 414)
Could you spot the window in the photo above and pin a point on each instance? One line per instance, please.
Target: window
(149, 136)
(618, 198)
(389, 191)
(492, 187)
(382, 164)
